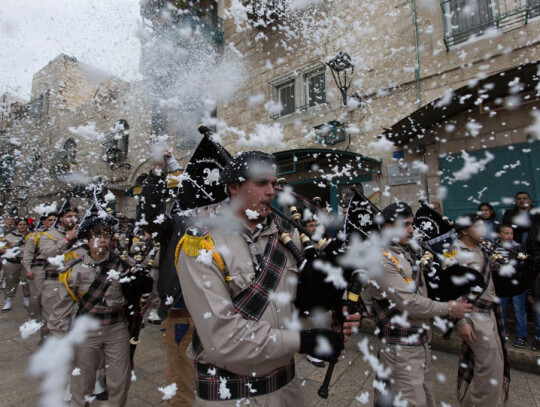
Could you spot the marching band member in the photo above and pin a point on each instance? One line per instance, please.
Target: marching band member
(242, 348)
(401, 292)
(14, 272)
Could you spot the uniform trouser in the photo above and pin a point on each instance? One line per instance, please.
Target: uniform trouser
(411, 374)
(36, 287)
(290, 395)
(49, 299)
(15, 273)
(487, 386)
(111, 342)
(153, 300)
(177, 333)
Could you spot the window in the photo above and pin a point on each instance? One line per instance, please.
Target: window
(299, 90)
(315, 87)
(286, 97)
(116, 145)
(465, 18)
(534, 6)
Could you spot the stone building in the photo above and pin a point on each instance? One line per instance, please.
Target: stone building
(82, 126)
(434, 78)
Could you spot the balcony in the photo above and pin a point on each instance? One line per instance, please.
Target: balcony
(265, 12)
(166, 14)
(465, 19)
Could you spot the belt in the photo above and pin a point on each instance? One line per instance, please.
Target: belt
(179, 313)
(14, 261)
(40, 263)
(108, 316)
(51, 275)
(209, 386)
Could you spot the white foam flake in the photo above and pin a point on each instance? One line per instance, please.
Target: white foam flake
(205, 257)
(29, 328)
(53, 360)
(223, 392)
(251, 214)
(168, 391)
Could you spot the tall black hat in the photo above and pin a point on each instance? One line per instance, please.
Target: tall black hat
(95, 216)
(396, 210)
(67, 207)
(200, 184)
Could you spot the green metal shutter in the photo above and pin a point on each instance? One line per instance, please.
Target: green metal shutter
(499, 180)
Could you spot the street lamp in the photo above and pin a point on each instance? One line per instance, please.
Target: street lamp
(342, 70)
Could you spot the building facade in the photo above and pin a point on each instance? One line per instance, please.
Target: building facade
(82, 126)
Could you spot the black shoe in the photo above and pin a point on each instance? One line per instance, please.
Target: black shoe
(102, 396)
(520, 342)
(535, 345)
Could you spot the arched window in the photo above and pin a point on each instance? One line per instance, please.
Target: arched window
(116, 144)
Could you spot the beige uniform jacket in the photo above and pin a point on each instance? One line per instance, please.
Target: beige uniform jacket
(391, 285)
(31, 250)
(474, 258)
(231, 342)
(80, 277)
(52, 244)
(13, 239)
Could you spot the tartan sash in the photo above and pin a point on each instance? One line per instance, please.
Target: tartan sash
(99, 286)
(466, 358)
(108, 316)
(210, 379)
(392, 333)
(252, 302)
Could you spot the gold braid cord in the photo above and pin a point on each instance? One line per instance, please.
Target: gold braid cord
(192, 245)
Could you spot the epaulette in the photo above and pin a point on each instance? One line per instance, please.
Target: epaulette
(48, 235)
(196, 239)
(450, 254)
(71, 256)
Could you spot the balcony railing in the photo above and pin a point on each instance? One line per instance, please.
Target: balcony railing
(464, 19)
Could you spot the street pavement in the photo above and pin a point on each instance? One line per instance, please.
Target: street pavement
(351, 383)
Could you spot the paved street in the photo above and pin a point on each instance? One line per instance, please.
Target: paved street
(352, 378)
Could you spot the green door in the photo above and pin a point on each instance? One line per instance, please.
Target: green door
(516, 167)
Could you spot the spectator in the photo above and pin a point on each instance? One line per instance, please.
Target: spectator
(488, 216)
(505, 235)
(519, 217)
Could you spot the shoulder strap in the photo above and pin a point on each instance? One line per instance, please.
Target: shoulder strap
(193, 242)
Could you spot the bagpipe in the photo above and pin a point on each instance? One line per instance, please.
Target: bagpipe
(437, 233)
(310, 278)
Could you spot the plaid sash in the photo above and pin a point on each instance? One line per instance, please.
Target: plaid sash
(210, 381)
(99, 286)
(466, 357)
(252, 302)
(108, 316)
(392, 333)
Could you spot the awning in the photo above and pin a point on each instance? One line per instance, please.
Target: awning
(305, 160)
(517, 80)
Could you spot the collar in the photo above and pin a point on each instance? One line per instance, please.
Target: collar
(89, 261)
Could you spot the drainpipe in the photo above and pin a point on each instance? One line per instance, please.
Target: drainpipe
(417, 70)
(415, 18)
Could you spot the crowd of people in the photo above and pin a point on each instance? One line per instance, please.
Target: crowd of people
(229, 280)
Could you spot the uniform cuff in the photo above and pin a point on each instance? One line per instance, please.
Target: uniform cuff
(291, 341)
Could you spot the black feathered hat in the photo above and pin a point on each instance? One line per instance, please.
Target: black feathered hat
(248, 165)
(94, 217)
(396, 210)
(67, 207)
